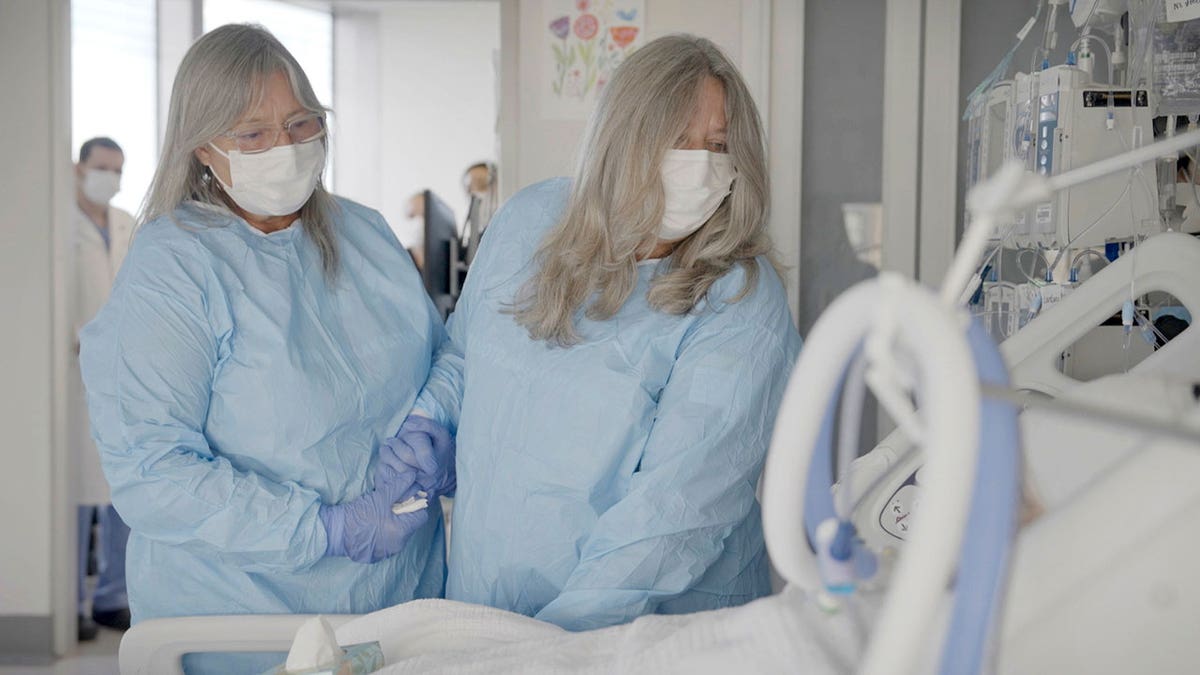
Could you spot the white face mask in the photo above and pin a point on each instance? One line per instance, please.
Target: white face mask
(99, 186)
(276, 182)
(695, 183)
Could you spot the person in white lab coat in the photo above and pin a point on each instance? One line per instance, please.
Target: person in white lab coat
(100, 235)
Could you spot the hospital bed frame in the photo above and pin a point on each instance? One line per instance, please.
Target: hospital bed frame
(156, 647)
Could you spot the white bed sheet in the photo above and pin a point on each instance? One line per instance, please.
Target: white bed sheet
(781, 633)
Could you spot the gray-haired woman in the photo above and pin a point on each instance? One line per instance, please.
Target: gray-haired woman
(616, 362)
(262, 339)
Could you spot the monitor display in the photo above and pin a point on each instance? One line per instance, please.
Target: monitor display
(441, 251)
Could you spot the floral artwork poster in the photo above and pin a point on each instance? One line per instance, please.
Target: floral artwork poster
(585, 41)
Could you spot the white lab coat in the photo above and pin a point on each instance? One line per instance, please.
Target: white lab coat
(95, 268)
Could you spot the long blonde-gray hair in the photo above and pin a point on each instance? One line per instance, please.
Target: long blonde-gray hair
(617, 201)
(222, 76)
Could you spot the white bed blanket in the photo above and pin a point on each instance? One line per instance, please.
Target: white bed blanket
(777, 634)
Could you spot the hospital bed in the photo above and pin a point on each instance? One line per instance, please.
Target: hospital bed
(1101, 583)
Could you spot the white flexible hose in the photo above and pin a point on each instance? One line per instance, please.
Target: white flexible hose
(933, 336)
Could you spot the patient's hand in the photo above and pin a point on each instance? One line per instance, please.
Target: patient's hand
(422, 451)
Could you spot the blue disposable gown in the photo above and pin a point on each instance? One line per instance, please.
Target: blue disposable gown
(617, 477)
(232, 390)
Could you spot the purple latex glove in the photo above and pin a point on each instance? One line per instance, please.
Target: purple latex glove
(365, 529)
(422, 448)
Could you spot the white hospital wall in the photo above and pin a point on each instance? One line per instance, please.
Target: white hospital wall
(415, 101)
(354, 125)
(35, 192)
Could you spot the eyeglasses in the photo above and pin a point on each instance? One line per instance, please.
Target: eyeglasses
(303, 129)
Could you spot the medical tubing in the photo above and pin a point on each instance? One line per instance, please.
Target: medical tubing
(1090, 14)
(1133, 275)
(998, 247)
(1042, 53)
(1029, 275)
(1067, 246)
(1146, 324)
(1129, 307)
(1107, 53)
(1049, 35)
(977, 277)
(1150, 195)
(949, 394)
(1035, 306)
(849, 420)
(1142, 25)
(1128, 160)
(1191, 175)
(992, 524)
(1106, 417)
(962, 267)
(818, 500)
(1087, 252)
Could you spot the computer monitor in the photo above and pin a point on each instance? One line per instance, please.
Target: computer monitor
(441, 253)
